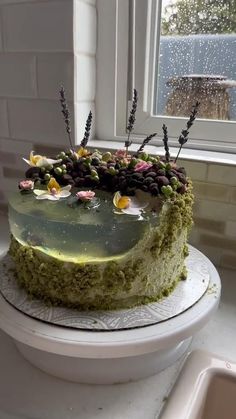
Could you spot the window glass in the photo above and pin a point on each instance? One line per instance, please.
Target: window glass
(197, 59)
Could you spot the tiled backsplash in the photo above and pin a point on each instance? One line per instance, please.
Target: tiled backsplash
(43, 44)
(214, 231)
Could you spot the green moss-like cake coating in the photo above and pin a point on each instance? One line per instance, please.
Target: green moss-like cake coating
(146, 273)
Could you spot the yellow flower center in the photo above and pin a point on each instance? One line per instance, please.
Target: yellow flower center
(34, 159)
(82, 152)
(121, 202)
(53, 187)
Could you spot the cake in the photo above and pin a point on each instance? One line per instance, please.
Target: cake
(98, 230)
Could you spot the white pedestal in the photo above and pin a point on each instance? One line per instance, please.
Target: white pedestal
(113, 356)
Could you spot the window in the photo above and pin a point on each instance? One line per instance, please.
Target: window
(174, 52)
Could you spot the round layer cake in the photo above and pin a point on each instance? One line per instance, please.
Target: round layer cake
(99, 230)
(92, 254)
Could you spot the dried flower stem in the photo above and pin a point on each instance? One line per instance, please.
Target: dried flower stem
(145, 142)
(87, 130)
(165, 141)
(131, 120)
(176, 158)
(183, 138)
(66, 114)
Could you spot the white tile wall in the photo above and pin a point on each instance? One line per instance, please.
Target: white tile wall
(10, 185)
(17, 75)
(85, 28)
(85, 33)
(230, 229)
(43, 44)
(16, 1)
(86, 71)
(4, 131)
(93, 2)
(225, 176)
(36, 120)
(54, 70)
(38, 26)
(1, 45)
(15, 146)
(211, 210)
(195, 170)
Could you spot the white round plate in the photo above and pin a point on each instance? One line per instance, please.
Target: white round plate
(184, 296)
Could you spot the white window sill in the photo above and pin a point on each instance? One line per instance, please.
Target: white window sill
(186, 153)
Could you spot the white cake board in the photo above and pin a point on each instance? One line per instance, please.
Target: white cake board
(184, 296)
(109, 356)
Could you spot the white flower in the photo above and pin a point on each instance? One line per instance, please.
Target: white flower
(128, 204)
(40, 161)
(54, 191)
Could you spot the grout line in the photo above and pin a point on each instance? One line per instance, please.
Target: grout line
(33, 98)
(29, 52)
(85, 54)
(2, 31)
(87, 2)
(36, 77)
(13, 3)
(8, 119)
(207, 171)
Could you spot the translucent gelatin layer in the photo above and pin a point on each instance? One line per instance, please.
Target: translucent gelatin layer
(73, 231)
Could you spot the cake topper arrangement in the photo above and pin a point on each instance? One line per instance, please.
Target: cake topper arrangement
(121, 173)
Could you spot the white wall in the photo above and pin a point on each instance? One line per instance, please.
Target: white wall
(43, 44)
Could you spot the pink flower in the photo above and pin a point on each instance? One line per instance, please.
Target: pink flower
(142, 165)
(121, 154)
(85, 195)
(26, 185)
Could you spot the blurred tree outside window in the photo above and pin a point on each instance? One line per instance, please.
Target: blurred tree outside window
(197, 58)
(188, 17)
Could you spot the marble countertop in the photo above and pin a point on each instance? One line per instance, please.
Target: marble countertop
(28, 393)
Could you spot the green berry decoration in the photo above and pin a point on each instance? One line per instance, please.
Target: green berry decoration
(167, 191)
(58, 171)
(47, 177)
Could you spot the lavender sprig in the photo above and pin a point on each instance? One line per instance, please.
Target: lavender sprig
(66, 114)
(87, 130)
(145, 142)
(165, 141)
(131, 120)
(183, 138)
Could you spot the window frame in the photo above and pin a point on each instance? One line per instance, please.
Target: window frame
(126, 59)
